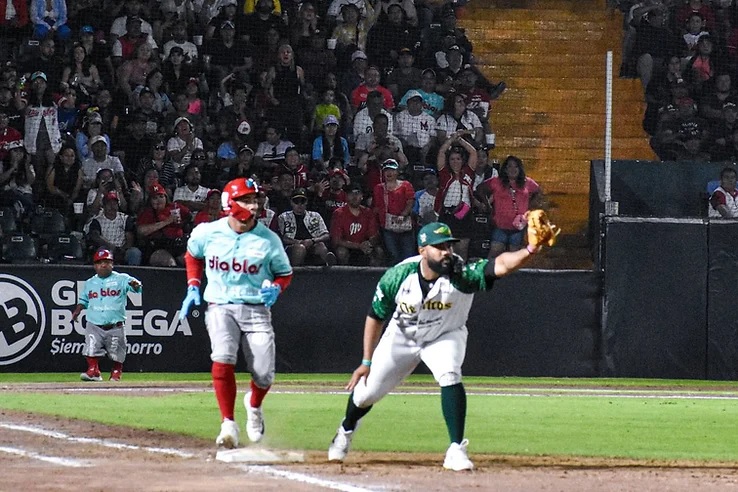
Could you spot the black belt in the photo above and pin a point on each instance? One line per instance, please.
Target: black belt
(112, 325)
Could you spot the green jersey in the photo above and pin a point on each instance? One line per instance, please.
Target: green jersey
(445, 307)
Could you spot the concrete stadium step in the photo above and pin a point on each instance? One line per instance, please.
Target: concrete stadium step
(509, 127)
(496, 70)
(525, 45)
(552, 56)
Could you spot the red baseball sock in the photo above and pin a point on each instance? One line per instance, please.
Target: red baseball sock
(118, 366)
(257, 394)
(224, 384)
(92, 364)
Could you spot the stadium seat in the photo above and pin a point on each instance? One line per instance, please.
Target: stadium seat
(47, 223)
(19, 248)
(65, 248)
(8, 223)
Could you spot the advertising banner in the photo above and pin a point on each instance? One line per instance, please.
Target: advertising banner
(37, 333)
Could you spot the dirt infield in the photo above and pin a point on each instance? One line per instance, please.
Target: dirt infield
(49, 453)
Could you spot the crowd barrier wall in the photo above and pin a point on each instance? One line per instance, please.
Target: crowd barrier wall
(533, 323)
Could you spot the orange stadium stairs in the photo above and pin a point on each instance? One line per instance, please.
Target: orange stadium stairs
(552, 55)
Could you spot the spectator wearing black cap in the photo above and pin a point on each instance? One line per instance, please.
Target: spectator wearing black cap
(124, 48)
(179, 40)
(438, 37)
(133, 8)
(720, 135)
(177, 71)
(405, 76)
(158, 159)
(392, 33)
(149, 109)
(191, 194)
(243, 167)
(227, 11)
(227, 54)
(293, 163)
(304, 233)
(354, 232)
(134, 143)
(260, 21)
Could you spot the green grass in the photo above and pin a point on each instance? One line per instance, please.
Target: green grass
(634, 427)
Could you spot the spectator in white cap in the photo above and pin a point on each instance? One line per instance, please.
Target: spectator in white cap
(41, 112)
(355, 75)
(99, 159)
(183, 143)
(330, 144)
(416, 129)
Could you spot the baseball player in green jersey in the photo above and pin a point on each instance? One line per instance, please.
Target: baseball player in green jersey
(425, 301)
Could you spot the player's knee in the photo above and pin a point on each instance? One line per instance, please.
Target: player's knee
(449, 379)
(263, 380)
(363, 398)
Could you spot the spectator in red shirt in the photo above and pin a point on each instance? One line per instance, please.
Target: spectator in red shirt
(330, 193)
(371, 83)
(213, 209)
(161, 229)
(393, 203)
(355, 232)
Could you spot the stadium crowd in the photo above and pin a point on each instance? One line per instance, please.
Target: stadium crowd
(360, 119)
(685, 53)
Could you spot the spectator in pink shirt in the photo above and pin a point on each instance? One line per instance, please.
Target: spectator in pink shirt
(510, 195)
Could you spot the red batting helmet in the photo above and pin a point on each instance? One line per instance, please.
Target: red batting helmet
(236, 189)
(102, 254)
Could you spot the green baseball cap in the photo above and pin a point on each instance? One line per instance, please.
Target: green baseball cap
(435, 233)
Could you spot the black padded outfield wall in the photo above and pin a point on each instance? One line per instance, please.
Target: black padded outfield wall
(654, 188)
(536, 323)
(722, 307)
(655, 296)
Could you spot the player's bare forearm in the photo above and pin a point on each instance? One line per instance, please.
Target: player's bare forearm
(372, 332)
(510, 261)
(76, 311)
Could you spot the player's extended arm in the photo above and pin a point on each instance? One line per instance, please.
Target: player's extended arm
(372, 332)
(194, 267)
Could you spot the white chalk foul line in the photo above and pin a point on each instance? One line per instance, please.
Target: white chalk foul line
(268, 470)
(91, 440)
(48, 459)
(301, 477)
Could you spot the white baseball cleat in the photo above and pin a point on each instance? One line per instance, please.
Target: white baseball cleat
(228, 437)
(254, 420)
(340, 445)
(456, 457)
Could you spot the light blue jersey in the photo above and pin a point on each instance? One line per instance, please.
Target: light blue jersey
(105, 298)
(237, 264)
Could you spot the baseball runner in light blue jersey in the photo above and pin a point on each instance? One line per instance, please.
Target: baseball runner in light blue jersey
(424, 302)
(105, 297)
(247, 268)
